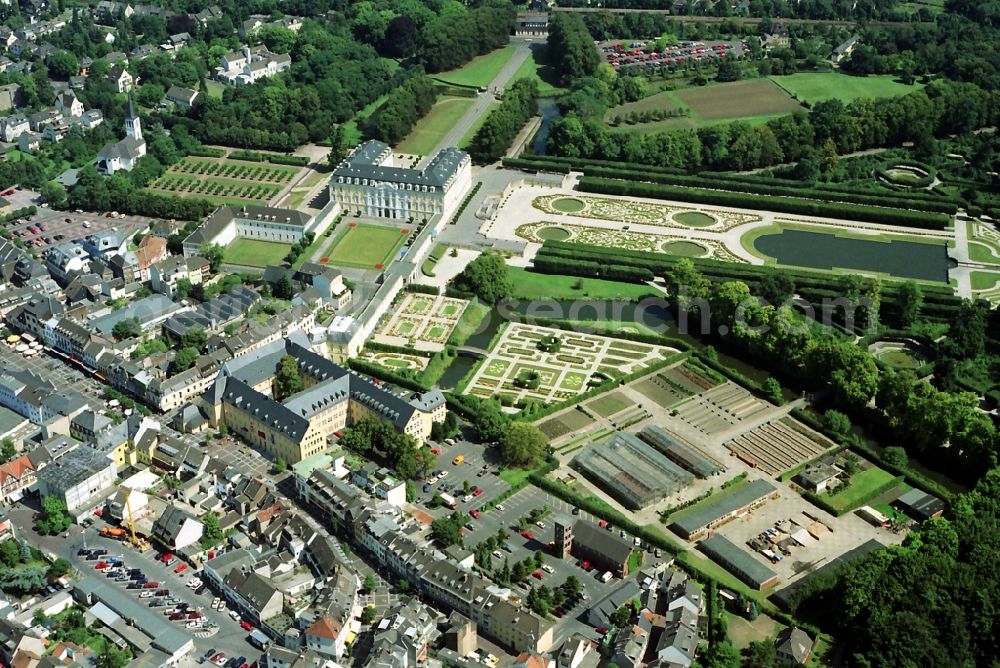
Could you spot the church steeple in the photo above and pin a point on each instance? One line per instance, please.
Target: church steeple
(133, 126)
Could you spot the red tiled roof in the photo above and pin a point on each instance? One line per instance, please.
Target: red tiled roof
(325, 627)
(15, 468)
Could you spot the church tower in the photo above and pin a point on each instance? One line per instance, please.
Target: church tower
(133, 126)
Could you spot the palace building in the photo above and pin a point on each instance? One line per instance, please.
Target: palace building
(368, 181)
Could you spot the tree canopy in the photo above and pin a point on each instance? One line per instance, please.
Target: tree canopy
(486, 277)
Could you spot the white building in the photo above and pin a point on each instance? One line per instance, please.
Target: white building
(262, 223)
(241, 68)
(369, 182)
(176, 528)
(127, 152)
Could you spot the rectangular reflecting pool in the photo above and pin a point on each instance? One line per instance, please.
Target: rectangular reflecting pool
(817, 250)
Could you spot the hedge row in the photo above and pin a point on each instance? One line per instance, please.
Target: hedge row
(729, 180)
(465, 202)
(206, 152)
(717, 183)
(389, 348)
(871, 214)
(819, 501)
(940, 303)
(380, 372)
(23, 212)
(423, 289)
(296, 160)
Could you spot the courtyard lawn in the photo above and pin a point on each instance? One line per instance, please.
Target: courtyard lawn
(365, 246)
(812, 87)
(983, 280)
(982, 253)
(215, 89)
(432, 128)
(479, 71)
(864, 486)
(255, 253)
(531, 285)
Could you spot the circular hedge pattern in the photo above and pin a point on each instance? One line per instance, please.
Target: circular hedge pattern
(695, 219)
(553, 234)
(569, 205)
(909, 174)
(685, 248)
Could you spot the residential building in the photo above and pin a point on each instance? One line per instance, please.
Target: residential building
(793, 646)
(15, 476)
(82, 478)
(241, 68)
(182, 97)
(68, 104)
(176, 528)
(120, 78)
(368, 181)
(253, 595)
(165, 273)
(14, 126)
(327, 636)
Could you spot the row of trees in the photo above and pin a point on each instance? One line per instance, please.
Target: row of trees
(454, 39)
(813, 139)
(494, 137)
(571, 48)
(402, 109)
(377, 439)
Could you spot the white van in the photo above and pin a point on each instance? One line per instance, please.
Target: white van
(606, 577)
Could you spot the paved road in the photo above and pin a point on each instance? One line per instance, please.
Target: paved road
(484, 101)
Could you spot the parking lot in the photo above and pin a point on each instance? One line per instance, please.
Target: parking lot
(61, 375)
(47, 227)
(230, 638)
(624, 54)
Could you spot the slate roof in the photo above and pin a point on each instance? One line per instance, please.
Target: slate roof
(362, 164)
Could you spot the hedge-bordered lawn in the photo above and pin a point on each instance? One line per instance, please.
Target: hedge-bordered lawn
(864, 486)
(255, 253)
(365, 246)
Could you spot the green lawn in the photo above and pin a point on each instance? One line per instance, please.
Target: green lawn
(530, 285)
(535, 67)
(861, 490)
(352, 135)
(432, 128)
(215, 89)
(982, 253)
(811, 87)
(479, 71)
(983, 280)
(255, 253)
(365, 246)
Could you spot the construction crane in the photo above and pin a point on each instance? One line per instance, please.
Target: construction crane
(139, 544)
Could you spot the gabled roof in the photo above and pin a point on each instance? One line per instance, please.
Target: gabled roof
(15, 468)
(325, 627)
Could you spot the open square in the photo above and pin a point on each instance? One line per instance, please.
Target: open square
(365, 246)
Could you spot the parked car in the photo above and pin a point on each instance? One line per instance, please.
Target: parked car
(246, 626)
(181, 568)
(475, 513)
(219, 659)
(176, 616)
(528, 535)
(537, 575)
(235, 615)
(146, 594)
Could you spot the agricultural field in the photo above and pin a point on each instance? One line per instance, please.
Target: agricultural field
(430, 129)
(812, 87)
(365, 246)
(671, 386)
(720, 408)
(255, 253)
(779, 446)
(420, 321)
(739, 99)
(609, 404)
(551, 365)
(569, 421)
(224, 181)
(479, 71)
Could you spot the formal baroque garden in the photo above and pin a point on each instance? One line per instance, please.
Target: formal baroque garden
(641, 212)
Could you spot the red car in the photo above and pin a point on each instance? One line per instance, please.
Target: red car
(167, 557)
(194, 614)
(537, 575)
(246, 626)
(601, 629)
(527, 534)
(585, 565)
(100, 565)
(180, 568)
(151, 585)
(176, 616)
(478, 492)
(474, 513)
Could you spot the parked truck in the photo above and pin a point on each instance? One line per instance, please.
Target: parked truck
(448, 500)
(113, 532)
